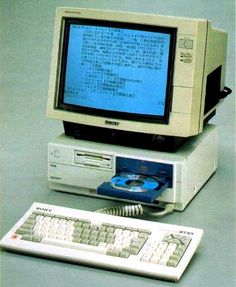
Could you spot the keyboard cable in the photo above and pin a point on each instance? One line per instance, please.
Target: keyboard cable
(135, 210)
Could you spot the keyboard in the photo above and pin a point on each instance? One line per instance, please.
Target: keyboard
(119, 243)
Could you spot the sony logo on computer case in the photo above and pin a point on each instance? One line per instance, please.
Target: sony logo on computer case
(43, 209)
(111, 123)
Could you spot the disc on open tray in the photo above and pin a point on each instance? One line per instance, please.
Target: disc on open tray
(134, 182)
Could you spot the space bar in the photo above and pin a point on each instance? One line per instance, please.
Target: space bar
(72, 245)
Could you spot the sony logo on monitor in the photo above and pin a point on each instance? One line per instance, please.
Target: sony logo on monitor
(112, 123)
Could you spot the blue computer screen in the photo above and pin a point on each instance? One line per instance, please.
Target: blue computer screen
(117, 69)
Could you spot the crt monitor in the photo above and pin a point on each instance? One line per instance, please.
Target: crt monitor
(130, 72)
(114, 69)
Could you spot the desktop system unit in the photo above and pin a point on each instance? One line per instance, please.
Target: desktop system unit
(135, 93)
(86, 168)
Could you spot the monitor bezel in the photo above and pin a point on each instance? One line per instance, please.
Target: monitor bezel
(59, 103)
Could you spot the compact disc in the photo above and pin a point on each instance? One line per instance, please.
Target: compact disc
(134, 182)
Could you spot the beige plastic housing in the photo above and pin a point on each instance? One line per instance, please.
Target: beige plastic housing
(200, 49)
(193, 164)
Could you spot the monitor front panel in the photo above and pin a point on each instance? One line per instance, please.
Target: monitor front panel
(117, 70)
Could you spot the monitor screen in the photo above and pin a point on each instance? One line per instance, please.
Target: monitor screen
(117, 69)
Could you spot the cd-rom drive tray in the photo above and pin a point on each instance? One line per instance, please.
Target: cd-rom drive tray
(81, 166)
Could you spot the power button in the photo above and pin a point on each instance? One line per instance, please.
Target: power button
(56, 153)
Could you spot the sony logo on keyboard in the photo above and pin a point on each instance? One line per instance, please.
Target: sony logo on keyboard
(43, 209)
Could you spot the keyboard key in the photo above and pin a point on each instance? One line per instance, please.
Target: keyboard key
(71, 245)
(113, 252)
(173, 262)
(146, 258)
(124, 254)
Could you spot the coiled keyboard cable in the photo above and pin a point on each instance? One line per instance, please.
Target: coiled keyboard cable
(135, 210)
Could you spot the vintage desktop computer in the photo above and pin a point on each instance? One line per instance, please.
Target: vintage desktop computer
(135, 93)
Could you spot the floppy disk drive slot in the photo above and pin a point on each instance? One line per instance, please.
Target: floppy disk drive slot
(93, 159)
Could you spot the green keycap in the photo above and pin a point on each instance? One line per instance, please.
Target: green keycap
(27, 237)
(37, 238)
(86, 230)
(178, 253)
(172, 263)
(175, 257)
(71, 218)
(32, 216)
(27, 226)
(85, 221)
(49, 215)
(138, 240)
(93, 242)
(181, 248)
(93, 237)
(60, 216)
(101, 238)
(148, 232)
(131, 250)
(102, 228)
(102, 233)
(176, 236)
(143, 235)
(111, 235)
(185, 240)
(124, 254)
(84, 235)
(94, 227)
(38, 213)
(110, 240)
(78, 224)
(107, 225)
(173, 240)
(94, 233)
(77, 233)
(22, 231)
(134, 250)
(112, 252)
(77, 240)
(85, 241)
(136, 245)
(86, 225)
(110, 229)
(30, 220)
